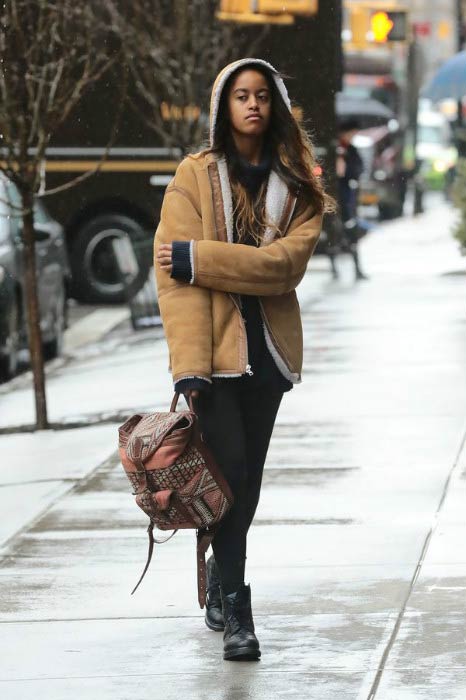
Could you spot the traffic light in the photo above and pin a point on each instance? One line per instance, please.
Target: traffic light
(265, 11)
(389, 26)
(381, 26)
(376, 23)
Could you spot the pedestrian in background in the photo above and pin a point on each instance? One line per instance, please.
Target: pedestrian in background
(349, 168)
(239, 222)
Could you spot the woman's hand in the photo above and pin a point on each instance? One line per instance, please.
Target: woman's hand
(193, 393)
(164, 257)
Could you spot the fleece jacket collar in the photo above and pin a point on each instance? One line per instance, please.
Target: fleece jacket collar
(276, 199)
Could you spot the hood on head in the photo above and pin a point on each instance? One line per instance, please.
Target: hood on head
(222, 78)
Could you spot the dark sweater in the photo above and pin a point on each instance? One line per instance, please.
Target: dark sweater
(265, 373)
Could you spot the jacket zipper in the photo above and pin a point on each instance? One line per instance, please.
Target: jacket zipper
(214, 187)
(248, 368)
(267, 325)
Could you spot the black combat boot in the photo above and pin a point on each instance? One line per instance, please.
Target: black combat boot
(213, 605)
(239, 641)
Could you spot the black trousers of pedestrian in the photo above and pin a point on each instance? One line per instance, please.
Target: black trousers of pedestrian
(237, 419)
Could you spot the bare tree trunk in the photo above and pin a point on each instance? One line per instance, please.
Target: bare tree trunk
(33, 312)
(51, 54)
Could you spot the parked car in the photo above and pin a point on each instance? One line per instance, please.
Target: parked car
(383, 182)
(52, 280)
(435, 149)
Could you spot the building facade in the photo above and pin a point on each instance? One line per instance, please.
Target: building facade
(435, 23)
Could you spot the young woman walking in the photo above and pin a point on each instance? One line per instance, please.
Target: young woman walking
(239, 223)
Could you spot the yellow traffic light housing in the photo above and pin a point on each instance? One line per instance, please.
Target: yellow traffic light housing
(359, 26)
(292, 7)
(376, 22)
(389, 26)
(265, 11)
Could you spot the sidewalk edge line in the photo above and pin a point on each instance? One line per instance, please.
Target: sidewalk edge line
(383, 661)
(5, 554)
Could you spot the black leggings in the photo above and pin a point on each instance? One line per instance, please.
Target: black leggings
(237, 420)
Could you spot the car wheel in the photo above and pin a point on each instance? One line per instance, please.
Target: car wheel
(97, 277)
(9, 361)
(54, 347)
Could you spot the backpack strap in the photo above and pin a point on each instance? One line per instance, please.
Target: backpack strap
(204, 540)
(152, 541)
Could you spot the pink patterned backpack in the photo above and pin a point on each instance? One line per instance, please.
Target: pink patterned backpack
(175, 479)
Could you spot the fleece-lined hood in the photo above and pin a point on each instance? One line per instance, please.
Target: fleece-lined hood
(277, 195)
(222, 78)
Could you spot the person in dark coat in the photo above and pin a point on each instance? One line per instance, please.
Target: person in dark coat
(349, 167)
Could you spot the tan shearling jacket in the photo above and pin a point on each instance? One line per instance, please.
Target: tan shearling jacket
(202, 320)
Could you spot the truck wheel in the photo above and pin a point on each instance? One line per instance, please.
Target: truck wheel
(96, 276)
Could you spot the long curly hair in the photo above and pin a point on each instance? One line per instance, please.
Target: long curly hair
(292, 156)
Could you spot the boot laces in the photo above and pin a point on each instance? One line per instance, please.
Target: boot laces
(240, 617)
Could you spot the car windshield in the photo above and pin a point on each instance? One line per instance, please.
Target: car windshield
(430, 134)
(11, 208)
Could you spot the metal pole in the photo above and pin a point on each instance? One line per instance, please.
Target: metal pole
(415, 69)
(459, 24)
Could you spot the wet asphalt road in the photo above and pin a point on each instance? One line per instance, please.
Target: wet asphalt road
(356, 558)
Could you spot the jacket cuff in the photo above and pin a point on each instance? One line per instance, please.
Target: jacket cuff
(182, 268)
(191, 383)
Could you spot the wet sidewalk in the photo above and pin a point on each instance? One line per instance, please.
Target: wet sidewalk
(356, 558)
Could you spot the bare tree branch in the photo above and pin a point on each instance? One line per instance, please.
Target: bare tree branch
(51, 53)
(174, 51)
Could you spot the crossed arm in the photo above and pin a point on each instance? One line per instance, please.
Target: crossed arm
(270, 270)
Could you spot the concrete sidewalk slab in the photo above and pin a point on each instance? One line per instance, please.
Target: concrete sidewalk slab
(428, 660)
(294, 644)
(93, 327)
(106, 382)
(39, 468)
(93, 539)
(214, 685)
(428, 656)
(50, 455)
